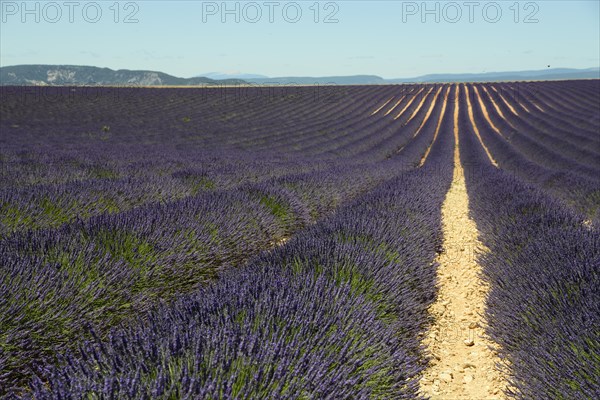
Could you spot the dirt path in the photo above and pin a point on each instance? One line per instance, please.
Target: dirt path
(463, 366)
(497, 107)
(384, 104)
(414, 114)
(534, 103)
(395, 105)
(484, 110)
(424, 119)
(508, 104)
(538, 107)
(510, 107)
(429, 111)
(476, 129)
(408, 104)
(437, 128)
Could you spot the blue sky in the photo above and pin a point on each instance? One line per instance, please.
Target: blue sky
(386, 38)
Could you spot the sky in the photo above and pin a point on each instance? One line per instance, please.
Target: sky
(392, 39)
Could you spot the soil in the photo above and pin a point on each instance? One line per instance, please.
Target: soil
(437, 129)
(395, 105)
(497, 108)
(470, 110)
(408, 104)
(486, 115)
(429, 111)
(384, 104)
(512, 109)
(464, 364)
(414, 114)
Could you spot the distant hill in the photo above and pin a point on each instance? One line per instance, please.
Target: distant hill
(224, 75)
(544, 74)
(57, 75)
(324, 80)
(84, 75)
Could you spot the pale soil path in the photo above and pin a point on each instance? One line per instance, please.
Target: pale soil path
(475, 129)
(464, 366)
(437, 128)
(395, 105)
(532, 102)
(538, 107)
(511, 108)
(497, 108)
(408, 104)
(486, 115)
(424, 119)
(429, 111)
(384, 104)
(414, 114)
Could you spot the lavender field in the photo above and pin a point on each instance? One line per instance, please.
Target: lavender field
(285, 242)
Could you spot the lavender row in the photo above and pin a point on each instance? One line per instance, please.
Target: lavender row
(397, 131)
(576, 113)
(553, 122)
(336, 312)
(182, 115)
(579, 193)
(81, 123)
(43, 206)
(109, 267)
(119, 185)
(522, 96)
(549, 151)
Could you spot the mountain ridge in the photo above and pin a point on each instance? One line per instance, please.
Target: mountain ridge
(65, 75)
(544, 74)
